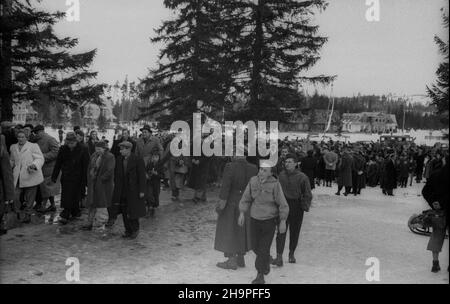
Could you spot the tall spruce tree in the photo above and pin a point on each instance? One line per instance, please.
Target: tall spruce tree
(275, 45)
(438, 92)
(35, 61)
(193, 65)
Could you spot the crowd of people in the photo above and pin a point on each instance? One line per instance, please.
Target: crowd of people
(251, 208)
(124, 176)
(256, 198)
(356, 166)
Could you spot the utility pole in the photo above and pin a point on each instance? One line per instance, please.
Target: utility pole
(404, 114)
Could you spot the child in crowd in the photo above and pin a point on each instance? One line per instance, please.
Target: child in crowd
(264, 199)
(154, 171)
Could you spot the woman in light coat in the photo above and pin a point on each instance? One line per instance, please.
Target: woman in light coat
(27, 161)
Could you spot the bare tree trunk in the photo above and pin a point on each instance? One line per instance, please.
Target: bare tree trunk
(5, 66)
(257, 57)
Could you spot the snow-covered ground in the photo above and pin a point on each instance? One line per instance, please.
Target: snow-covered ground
(338, 236)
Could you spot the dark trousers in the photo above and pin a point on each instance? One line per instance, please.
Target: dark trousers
(175, 192)
(356, 185)
(112, 212)
(329, 176)
(231, 255)
(262, 232)
(419, 173)
(347, 189)
(68, 212)
(39, 199)
(26, 197)
(131, 225)
(403, 181)
(154, 189)
(294, 223)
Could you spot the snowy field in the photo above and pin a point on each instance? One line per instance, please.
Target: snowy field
(338, 235)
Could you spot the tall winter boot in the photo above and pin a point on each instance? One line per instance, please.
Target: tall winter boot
(435, 267)
(291, 257)
(231, 263)
(259, 279)
(240, 260)
(278, 261)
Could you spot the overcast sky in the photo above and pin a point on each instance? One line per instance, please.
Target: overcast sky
(394, 55)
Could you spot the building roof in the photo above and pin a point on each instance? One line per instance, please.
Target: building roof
(364, 117)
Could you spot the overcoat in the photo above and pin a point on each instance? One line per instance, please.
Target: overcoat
(198, 177)
(373, 174)
(230, 237)
(130, 184)
(309, 167)
(145, 148)
(101, 187)
(21, 160)
(389, 180)
(73, 166)
(344, 170)
(49, 147)
(6, 176)
(320, 172)
(359, 165)
(403, 168)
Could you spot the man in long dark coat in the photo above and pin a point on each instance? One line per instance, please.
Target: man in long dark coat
(72, 161)
(389, 180)
(372, 173)
(231, 239)
(344, 170)
(358, 172)
(129, 189)
(420, 160)
(309, 167)
(6, 182)
(8, 131)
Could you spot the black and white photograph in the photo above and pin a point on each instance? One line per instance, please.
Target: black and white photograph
(224, 142)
